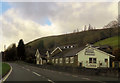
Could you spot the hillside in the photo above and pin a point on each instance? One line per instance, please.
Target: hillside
(112, 41)
(79, 38)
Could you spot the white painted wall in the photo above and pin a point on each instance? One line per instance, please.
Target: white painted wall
(98, 55)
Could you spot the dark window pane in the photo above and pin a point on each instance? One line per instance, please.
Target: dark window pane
(94, 60)
(90, 60)
(106, 60)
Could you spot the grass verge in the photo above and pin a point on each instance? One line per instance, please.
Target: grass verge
(5, 69)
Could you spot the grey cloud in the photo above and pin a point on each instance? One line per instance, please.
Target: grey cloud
(37, 11)
(95, 13)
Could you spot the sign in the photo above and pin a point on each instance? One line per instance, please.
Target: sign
(89, 51)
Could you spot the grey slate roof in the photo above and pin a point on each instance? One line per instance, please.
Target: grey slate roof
(69, 52)
(73, 51)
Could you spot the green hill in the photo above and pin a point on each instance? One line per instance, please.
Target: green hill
(79, 38)
(112, 41)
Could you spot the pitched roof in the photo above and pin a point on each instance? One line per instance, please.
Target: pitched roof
(41, 55)
(58, 48)
(74, 51)
(104, 52)
(68, 52)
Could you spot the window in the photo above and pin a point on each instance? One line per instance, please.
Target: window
(92, 60)
(52, 60)
(44, 61)
(56, 61)
(67, 46)
(71, 59)
(67, 60)
(60, 60)
(106, 60)
(48, 60)
(89, 51)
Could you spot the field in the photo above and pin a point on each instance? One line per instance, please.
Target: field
(112, 41)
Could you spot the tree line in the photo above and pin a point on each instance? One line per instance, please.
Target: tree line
(14, 52)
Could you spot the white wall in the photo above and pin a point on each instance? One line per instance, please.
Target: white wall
(98, 55)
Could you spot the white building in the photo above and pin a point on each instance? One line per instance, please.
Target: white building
(40, 59)
(91, 57)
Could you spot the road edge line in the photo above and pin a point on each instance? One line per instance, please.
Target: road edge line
(6, 76)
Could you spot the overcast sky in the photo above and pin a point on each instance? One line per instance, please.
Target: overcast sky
(32, 20)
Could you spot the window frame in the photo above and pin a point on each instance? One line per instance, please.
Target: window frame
(106, 60)
(53, 60)
(60, 60)
(67, 60)
(56, 61)
(71, 59)
(93, 60)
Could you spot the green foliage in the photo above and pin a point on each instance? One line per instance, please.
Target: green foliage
(21, 50)
(30, 55)
(116, 52)
(11, 53)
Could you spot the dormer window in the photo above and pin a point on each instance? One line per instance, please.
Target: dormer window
(67, 46)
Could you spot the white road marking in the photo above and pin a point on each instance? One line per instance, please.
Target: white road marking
(28, 69)
(7, 74)
(36, 74)
(86, 78)
(50, 81)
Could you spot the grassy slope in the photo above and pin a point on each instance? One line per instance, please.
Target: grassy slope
(112, 41)
(5, 68)
(80, 38)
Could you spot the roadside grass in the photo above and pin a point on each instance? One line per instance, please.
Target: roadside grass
(5, 69)
(0, 69)
(112, 41)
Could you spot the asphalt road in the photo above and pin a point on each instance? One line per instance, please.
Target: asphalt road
(22, 72)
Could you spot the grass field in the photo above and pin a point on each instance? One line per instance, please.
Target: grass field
(112, 41)
(4, 69)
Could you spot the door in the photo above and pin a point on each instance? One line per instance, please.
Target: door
(106, 62)
(80, 64)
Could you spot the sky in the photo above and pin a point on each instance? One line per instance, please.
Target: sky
(32, 20)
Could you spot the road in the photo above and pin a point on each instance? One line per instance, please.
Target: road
(23, 72)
